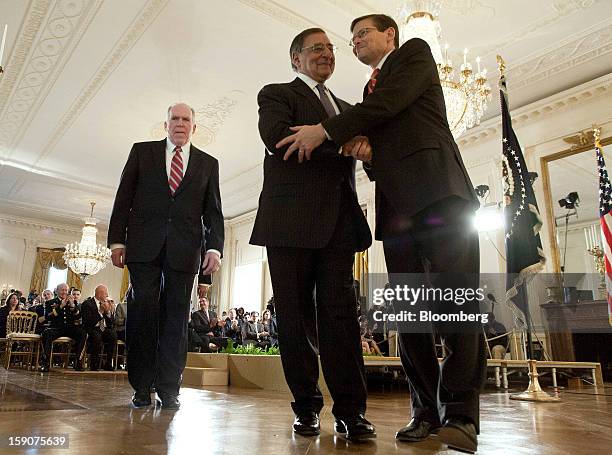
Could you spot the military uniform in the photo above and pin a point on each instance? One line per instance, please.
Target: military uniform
(63, 322)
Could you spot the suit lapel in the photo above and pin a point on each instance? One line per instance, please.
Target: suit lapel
(159, 160)
(195, 161)
(382, 74)
(302, 88)
(337, 101)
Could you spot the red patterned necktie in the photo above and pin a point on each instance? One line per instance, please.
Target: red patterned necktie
(372, 81)
(176, 170)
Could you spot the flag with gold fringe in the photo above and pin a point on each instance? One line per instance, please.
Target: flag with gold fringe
(524, 254)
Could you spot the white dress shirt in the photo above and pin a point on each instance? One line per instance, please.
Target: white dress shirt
(310, 82)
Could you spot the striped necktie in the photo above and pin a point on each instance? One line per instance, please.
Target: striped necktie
(176, 170)
(325, 101)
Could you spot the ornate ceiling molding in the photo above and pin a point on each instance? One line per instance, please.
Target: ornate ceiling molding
(584, 93)
(241, 220)
(574, 51)
(39, 225)
(209, 119)
(283, 14)
(43, 63)
(562, 9)
(17, 60)
(147, 15)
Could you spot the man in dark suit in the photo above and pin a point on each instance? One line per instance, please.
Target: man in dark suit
(424, 206)
(99, 323)
(166, 221)
(311, 223)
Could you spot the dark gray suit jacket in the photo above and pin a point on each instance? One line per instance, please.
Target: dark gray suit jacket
(299, 203)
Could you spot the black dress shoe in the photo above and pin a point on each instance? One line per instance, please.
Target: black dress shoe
(459, 434)
(357, 428)
(44, 368)
(417, 430)
(307, 424)
(108, 368)
(141, 399)
(78, 367)
(168, 401)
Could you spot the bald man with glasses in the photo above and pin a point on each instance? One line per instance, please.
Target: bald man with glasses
(311, 223)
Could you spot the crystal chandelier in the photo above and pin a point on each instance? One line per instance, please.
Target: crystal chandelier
(466, 96)
(87, 257)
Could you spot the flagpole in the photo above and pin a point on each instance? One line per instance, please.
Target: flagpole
(534, 392)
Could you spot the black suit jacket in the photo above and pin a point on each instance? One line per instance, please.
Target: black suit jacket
(299, 203)
(415, 159)
(145, 216)
(200, 321)
(91, 316)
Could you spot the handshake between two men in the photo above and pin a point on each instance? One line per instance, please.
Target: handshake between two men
(308, 137)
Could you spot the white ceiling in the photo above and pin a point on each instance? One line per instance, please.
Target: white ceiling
(84, 79)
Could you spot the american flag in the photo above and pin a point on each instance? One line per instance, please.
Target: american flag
(605, 220)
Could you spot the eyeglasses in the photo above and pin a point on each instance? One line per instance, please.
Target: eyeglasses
(360, 34)
(319, 48)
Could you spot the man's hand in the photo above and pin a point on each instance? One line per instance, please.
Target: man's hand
(359, 148)
(105, 307)
(202, 290)
(305, 140)
(118, 256)
(211, 263)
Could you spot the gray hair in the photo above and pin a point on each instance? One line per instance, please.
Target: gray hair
(176, 104)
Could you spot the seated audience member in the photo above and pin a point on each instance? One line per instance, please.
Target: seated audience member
(240, 314)
(368, 344)
(233, 327)
(200, 324)
(12, 304)
(268, 320)
(64, 319)
(253, 332)
(494, 328)
(32, 295)
(120, 318)
(41, 307)
(223, 316)
(76, 293)
(99, 323)
(217, 328)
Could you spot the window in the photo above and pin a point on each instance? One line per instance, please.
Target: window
(56, 276)
(247, 286)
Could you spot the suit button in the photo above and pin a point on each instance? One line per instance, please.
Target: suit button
(169, 220)
(172, 199)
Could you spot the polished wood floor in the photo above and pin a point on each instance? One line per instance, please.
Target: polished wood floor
(93, 410)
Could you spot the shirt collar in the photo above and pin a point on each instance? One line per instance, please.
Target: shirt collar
(383, 60)
(309, 81)
(170, 146)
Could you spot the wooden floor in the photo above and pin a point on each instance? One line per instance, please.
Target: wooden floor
(93, 410)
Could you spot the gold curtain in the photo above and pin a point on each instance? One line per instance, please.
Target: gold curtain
(360, 271)
(47, 258)
(125, 283)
